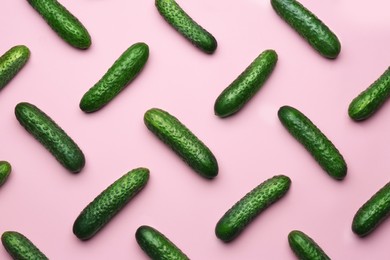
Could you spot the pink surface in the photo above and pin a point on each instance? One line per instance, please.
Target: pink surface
(41, 199)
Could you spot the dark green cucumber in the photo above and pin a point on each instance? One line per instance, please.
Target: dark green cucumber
(319, 146)
(5, 170)
(21, 248)
(51, 136)
(371, 99)
(372, 213)
(121, 73)
(108, 203)
(157, 246)
(304, 247)
(312, 29)
(185, 25)
(237, 94)
(67, 26)
(12, 62)
(182, 141)
(251, 205)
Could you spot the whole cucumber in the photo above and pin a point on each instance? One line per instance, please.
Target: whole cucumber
(5, 170)
(21, 248)
(12, 62)
(304, 247)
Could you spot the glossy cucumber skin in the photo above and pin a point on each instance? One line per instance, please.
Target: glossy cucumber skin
(65, 24)
(5, 170)
(182, 141)
(304, 247)
(371, 99)
(121, 73)
(157, 246)
(312, 29)
(51, 136)
(12, 62)
(186, 26)
(20, 247)
(372, 213)
(238, 93)
(109, 202)
(251, 205)
(319, 146)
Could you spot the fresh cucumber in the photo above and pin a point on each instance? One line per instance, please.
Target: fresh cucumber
(121, 73)
(312, 29)
(252, 204)
(185, 25)
(12, 62)
(371, 99)
(67, 26)
(182, 141)
(304, 247)
(21, 248)
(238, 93)
(50, 135)
(5, 170)
(108, 203)
(157, 246)
(319, 146)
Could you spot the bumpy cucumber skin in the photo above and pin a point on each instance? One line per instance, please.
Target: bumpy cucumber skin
(371, 99)
(108, 203)
(182, 141)
(185, 25)
(252, 204)
(5, 170)
(51, 136)
(67, 26)
(304, 247)
(316, 33)
(20, 247)
(157, 246)
(12, 62)
(319, 146)
(372, 213)
(237, 94)
(121, 73)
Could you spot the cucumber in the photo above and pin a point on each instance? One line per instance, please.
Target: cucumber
(372, 213)
(21, 248)
(186, 26)
(12, 62)
(371, 99)
(319, 146)
(251, 205)
(121, 73)
(182, 141)
(312, 29)
(5, 170)
(304, 247)
(238, 93)
(67, 26)
(157, 246)
(51, 136)
(108, 203)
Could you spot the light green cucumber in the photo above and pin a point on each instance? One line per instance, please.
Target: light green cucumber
(12, 62)
(5, 170)
(21, 248)
(304, 247)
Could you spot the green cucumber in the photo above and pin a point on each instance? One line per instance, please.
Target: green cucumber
(251, 205)
(108, 203)
(121, 73)
(304, 247)
(182, 141)
(319, 146)
(372, 213)
(12, 62)
(68, 27)
(157, 246)
(51, 136)
(5, 170)
(238, 93)
(186, 26)
(371, 99)
(21, 248)
(312, 29)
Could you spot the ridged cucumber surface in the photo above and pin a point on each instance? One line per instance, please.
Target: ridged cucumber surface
(51, 136)
(5, 170)
(304, 247)
(251, 205)
(108, 203)
(21, 248)
(182, 141)
(12, 62)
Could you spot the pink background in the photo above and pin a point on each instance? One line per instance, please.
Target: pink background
(41, 199)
